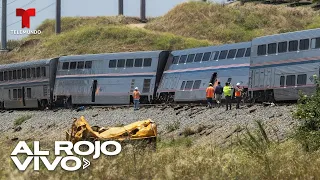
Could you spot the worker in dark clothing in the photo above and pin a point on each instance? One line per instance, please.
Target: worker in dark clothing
(218, 93)
(227, 94)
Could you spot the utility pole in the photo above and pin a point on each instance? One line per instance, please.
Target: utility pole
(120, 11)
(4, 26)
(143, 10)
(58, 16)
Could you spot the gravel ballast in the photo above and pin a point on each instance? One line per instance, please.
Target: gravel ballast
(216, 124)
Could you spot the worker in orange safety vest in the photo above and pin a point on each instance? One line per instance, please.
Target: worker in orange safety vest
(136, 98)
(238, 95)
(209, 95)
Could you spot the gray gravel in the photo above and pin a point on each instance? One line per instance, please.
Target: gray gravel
(218, 124)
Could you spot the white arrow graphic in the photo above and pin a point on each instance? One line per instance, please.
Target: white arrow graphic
(86, 163)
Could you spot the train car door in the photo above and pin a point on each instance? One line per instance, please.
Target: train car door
(262, 78)
(267, 78)
(213, 78)
(93, 90)
(23, 97)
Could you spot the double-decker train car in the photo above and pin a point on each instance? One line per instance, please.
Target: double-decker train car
(109, 78)
(284, 64)
(27, 84)
(189, 71)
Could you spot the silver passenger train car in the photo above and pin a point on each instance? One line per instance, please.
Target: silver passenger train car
(27, 84)
(109, 78)
(189, 71)
(283, 64)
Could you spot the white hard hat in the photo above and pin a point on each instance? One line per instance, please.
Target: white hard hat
(210, 83)
(238, 84)
(136, 88)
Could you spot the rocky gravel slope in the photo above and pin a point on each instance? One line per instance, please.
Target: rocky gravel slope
(207, 125)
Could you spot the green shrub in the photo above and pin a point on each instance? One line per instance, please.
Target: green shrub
(173, 126)
(308, 112)
(21, 119)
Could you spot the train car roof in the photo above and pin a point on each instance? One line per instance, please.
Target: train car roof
(110, 55)
(25, 64)
(296, 35)
(213, 48)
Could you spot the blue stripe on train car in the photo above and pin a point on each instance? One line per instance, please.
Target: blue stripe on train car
(285, 64)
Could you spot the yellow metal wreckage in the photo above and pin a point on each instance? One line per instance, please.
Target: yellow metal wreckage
(140, 130)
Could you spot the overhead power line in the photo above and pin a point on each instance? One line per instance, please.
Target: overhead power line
(22, 7)
(37, 13)
(10, 2)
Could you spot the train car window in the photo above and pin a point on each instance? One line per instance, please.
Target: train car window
(80, 65)
(215, 55)
(293, 45)
(291, 80)
(10, 75)
(65, 65)
(232, 53)
(28, 73)
(282, 81)
(182, 85)
(302, 79)
(146, 85)
(196, 84)
(198, 57)
(240, 53)
(262, 50)
(129, 63)
(282, 47)
(206, 56)
(272, 48)
(14, 74)
(147, 62)
(5, 76)
(190, 58)
(15, 94)
(73, 65)
(28, 92)
(1, 76)
(9, 94)
(304, 44)
(175, 60)
(315, 43)
(19, 93)
(229, 80)
(248, 52)
(188, 85)
(33, 72)
(183, 59)
(88, 65)
(121, 63)
(138, 63)
(112, 63)
(223, 54)
(43, 71)
(23, 73)
(38, 72)
(19, 74)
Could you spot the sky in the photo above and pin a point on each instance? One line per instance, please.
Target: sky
(46, 10)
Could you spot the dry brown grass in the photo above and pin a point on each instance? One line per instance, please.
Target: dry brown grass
(180, 161)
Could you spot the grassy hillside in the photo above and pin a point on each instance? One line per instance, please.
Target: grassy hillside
(93, 35)
(234, 23)
(188, 25)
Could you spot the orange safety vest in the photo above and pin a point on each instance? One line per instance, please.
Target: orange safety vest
(136, 95)
(210, 92)
(238, 92)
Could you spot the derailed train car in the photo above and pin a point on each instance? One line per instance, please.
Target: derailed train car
(188, 72)
(107, 79)
(27, 84)
(284, 64)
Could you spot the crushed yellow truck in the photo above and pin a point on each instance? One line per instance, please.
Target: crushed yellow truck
(145, 130)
